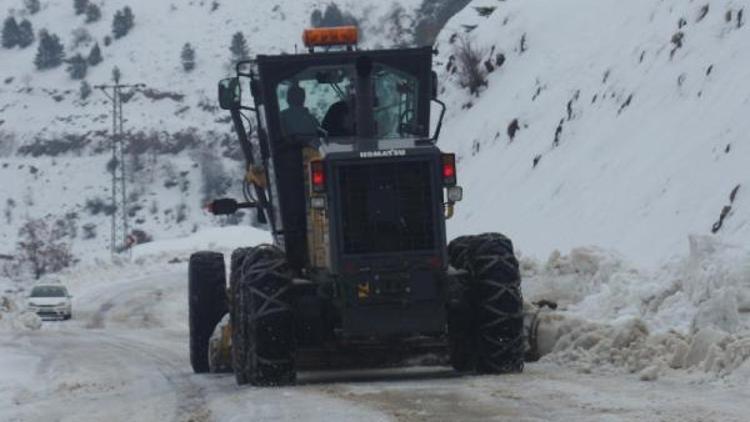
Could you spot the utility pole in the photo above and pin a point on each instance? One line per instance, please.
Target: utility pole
(120, 227)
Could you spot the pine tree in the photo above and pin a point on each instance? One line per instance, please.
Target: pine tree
(188, 57)
(50, 52)
(25, 34)
(93, 13)
(316, 19)
(123, 22)
(80, 6)
(77, 67)
(116, 74)
(119, 26)
(95, 55)
(32, 6)
(85, 90)
(129, 17)
(11, 33)
(332, 16)
(239, 47)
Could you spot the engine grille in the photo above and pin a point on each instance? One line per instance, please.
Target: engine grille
(387, 207)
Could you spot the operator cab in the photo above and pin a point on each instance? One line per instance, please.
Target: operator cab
(340, 94)
(340, 105)
(330, 101)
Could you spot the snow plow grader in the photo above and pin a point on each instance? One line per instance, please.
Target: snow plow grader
(343, 168)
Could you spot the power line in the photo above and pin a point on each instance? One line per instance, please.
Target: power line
(120, 228)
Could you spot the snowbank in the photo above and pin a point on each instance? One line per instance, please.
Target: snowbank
(159, 256)
(219, 238)
(13, 317)
(690, 314)
(709, 287)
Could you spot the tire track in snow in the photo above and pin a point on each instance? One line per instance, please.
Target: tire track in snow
(191, 400)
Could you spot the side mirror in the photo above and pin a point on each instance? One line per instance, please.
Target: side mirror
(230, 97)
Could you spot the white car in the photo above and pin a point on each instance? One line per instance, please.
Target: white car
(50, 301)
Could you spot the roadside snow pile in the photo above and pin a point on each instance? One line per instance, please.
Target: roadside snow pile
(631, 346)
(157, 257)
(12, 315)
(691, 314)
(224, 238)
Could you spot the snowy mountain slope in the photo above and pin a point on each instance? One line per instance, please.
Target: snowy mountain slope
(166, 199)
(651, 143)
(150, 54)
(175, 124)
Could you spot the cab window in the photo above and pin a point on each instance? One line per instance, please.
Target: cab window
(317, 98)
(322, 100)
(396, 100)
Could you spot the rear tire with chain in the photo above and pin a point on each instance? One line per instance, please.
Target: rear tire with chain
(263, 346)
(461, 342)
(493, 330)
(207, 304)
(238, 257)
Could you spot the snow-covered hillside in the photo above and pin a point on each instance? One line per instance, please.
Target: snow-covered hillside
(46, 104)
(54, 145)
(632, 123)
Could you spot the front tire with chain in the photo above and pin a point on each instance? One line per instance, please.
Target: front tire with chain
(490, 337)
(263, 346)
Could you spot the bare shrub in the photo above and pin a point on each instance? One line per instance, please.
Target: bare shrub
(98, 205)
(80, 37)
(10, 204)
(181, 214)
(399, 26)
(471, 73)
(141, 236)
(89, 231)
(53, 147)
(156, 95)
(41, 250)
(66, 227)
(214, 178)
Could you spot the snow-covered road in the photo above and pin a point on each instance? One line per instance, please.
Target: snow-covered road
(124, 357)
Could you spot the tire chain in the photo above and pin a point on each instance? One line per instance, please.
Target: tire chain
(496, 295)
(257, 297)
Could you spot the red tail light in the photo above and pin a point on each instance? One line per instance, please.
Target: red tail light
(449, 169)
(318, 176)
